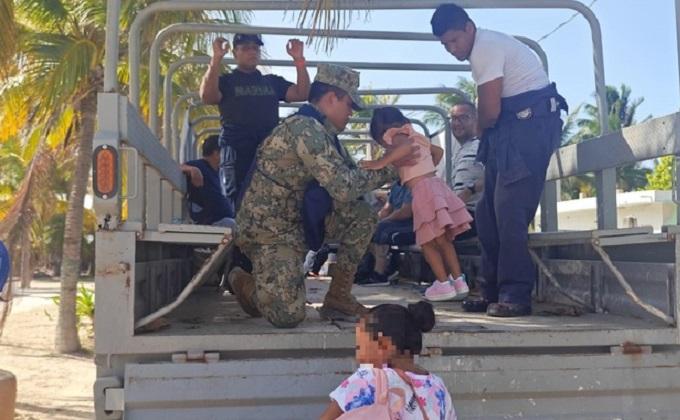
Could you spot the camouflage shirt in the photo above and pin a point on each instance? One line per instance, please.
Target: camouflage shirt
(299, 150)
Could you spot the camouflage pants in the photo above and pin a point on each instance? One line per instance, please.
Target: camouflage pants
(280, 292)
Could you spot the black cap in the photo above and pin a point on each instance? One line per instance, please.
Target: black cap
(243, 38)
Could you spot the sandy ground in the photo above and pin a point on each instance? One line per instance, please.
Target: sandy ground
(50, 386)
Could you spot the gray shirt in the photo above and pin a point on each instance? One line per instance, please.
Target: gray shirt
(466, 170)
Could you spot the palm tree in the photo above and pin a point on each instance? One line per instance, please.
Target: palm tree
(575, 186)
(59, 56)
(621, 113)
(469, 88)
(448, 100)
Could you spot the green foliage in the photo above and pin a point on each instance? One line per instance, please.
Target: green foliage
(447, 100)
(661, 178)
(621, 112)
(84, 304)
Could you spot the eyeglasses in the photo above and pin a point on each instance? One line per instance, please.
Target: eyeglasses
(460, 118)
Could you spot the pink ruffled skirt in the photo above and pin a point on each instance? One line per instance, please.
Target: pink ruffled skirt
(437, 210)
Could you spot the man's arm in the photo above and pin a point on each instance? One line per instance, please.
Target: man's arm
(402, 213)
(466, 194)
(489, 103)
(210, 88)
(300, 90)
(194, 174)
(343, 182)
(385, 211)
(468, 172)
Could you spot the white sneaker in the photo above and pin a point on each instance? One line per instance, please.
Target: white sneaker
(440, 291)
(462, 289)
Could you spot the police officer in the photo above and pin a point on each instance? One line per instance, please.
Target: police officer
(301, 149)
(519, 120)
(248, 102)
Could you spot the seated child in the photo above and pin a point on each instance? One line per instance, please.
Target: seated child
(388, 338)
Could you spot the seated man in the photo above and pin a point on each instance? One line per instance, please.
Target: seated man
(394, 228)
(207, 204)
(467, 178)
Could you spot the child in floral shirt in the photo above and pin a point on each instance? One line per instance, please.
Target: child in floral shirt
(388, 337)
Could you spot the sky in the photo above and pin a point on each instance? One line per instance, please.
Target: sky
(639, 45)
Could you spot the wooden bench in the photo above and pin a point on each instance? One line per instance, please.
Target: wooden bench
(188, 234)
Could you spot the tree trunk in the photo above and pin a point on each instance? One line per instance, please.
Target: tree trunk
(66, 339)
(26, 269)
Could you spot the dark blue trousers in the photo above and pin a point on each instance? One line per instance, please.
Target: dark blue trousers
(387, 229)
(516, 153)
(238, 146)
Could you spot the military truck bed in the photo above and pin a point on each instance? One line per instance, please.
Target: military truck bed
(210, 312)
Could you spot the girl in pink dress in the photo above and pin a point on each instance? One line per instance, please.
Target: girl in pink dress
(438, 214)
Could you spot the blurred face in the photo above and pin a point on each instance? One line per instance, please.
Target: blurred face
(214, 159)
(463, 122)
(247, 55)
(459, 43)
(370, 351)
(338, 110)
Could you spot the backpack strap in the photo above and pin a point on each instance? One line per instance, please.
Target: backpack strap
(407, 379)
(383, 393)
(381, 386)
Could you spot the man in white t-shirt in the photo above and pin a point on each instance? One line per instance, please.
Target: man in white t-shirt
(519, 124)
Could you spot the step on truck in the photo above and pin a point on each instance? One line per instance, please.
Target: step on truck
(603, 342)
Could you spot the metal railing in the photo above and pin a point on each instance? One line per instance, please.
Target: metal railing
(606, 199)
(191, 151)
(177, 142)
(167, 124)
(165, 33)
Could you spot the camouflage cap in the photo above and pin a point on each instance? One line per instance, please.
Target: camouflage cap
(343, 78)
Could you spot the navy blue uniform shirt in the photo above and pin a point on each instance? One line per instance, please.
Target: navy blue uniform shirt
(208, 205)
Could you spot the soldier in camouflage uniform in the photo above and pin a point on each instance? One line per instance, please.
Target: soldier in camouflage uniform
(302, 148)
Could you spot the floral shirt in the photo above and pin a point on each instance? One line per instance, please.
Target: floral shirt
(359, 390)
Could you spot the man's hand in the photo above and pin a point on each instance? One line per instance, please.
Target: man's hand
(371, 165)
(220, 48)
(295, 48)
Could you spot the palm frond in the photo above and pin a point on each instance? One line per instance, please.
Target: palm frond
(14, 109)
(322, 17)
(62, 129)
(32, 142)
(42, 14)
(61, 65)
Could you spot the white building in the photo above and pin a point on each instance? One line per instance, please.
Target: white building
(636, 208)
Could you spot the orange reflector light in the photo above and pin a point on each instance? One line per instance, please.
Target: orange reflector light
(105, 171)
